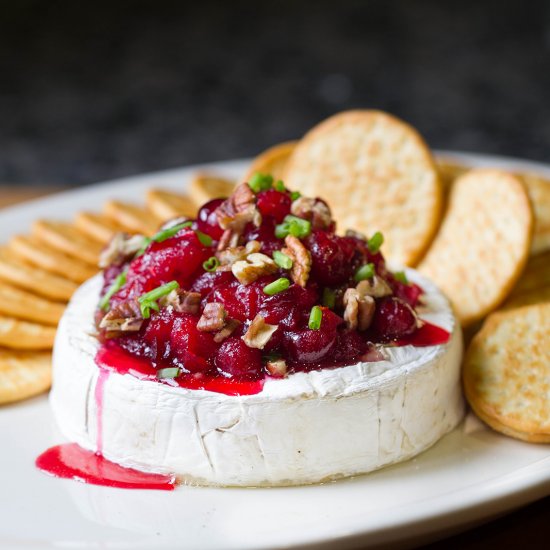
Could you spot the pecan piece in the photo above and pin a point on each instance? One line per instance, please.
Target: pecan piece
(359, 310)
(229, 239)
(356, 235)
(231, 255)
(255, 266)
(277, 368)
(258, 333)
(239, 209)
(313, 210)
(227, 330)
(125, 317)
(301, 260)
(120, 248)
(183, 301)
(375, 287)
(212, 318)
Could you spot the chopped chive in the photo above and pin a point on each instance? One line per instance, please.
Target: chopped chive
(329, 298)
(282, 260)
(295, 195)
(375, 242)
(364, 272)
(292, 225)
(211, 264)
(170, 372)
(205, 239)
(163, 235)
(401, 277)
(315, 318)
(148, 301)
(280, 186)
(276, 286)
(116, 285)
(260, 182)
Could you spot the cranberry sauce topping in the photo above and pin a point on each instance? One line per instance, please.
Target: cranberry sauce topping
(259, 284)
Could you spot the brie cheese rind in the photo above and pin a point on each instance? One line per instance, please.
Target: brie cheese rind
(307, 428)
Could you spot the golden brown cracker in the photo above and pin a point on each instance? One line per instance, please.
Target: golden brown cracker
(167, 205)
(449, 170)
(132, 217)
(17, 334)
(539, 191)
(65, 237)
(97, 226)
(507, 373)
(24, 374)
(205, 187)
(23, 275)
(15, 302)
(272, 161)
(377, 174)
(483, 244)
(30, 249)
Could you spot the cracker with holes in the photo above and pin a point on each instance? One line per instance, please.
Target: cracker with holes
(507, 373)
(483, 244)
(378, 174)
(23, 374)
(272, 161)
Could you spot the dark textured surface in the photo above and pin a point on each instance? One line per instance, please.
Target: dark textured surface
(91, 91)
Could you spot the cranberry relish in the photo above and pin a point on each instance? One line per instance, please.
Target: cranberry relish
(259, 284)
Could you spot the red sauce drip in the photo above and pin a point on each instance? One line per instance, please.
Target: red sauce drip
(69, 461)
(112, 357)
(426, 335)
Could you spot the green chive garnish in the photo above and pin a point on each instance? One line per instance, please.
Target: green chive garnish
(276, 286)
(163, 235)
(401, 277)
(280, 186)
(295, 195)
(116, 285)
(282, 260)
(292, 225)
(329, 298)
(260, 182)
(364, 272)
(148, 301)
(211, 264)
(205, 239)
(375, 242)
(170, 372)
(315, 318)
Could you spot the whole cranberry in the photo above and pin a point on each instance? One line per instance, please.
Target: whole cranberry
(265, 234)
(332, 258)
(393, 318)
(274, 203)
(235, 359)
(207, 221)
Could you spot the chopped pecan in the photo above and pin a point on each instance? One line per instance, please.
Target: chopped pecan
(359, 310)
(212, 318)
(356, 234)
(375, 287)
(121, 248)
(229, 239)
(183, 301)
(231, 255)
(227, 330)
(125, 317)
(255, 266)
(313, 210)
(277, 368)
(258, 333)
(301, 260)
(239, 209)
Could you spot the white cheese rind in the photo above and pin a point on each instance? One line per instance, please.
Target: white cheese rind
(307, 428)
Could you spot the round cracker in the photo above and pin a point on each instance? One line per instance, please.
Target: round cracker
(507, 373)
(205, 187)
(17, 334)
(97, 226)
(15, 302)
(167, 205)
(483, 244)
(377, 174)
(272, 161)
(539, 191)
(132, 217)
(24, 374)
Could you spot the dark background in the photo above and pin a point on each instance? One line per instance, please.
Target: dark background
(91, 91)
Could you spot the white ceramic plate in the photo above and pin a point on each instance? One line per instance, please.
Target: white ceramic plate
(471, 475)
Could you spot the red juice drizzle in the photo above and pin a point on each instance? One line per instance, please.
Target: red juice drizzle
(112, 357)
(69, 461)
(426, 335)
